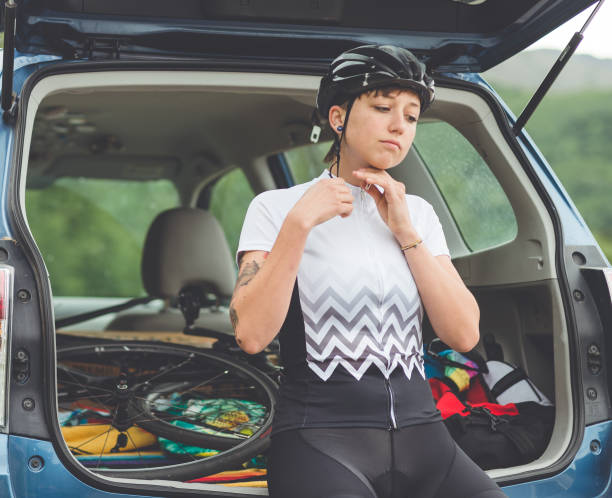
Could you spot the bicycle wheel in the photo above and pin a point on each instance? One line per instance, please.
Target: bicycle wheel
(126, 392)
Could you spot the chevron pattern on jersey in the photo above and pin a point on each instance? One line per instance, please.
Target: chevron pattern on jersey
(346, 324)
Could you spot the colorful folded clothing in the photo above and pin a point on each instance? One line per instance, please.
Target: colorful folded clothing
(460, 376)
(225, 417)
(84, 415)
(251, 484)
(129, 459)
(183, 449)
(219, 417)
(233, 476)
(103, 438)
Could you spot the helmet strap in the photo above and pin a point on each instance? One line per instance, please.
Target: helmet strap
(338, 141)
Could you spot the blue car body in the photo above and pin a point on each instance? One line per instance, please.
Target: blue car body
(30, 464)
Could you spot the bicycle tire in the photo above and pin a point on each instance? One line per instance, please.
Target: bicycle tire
(141, 358)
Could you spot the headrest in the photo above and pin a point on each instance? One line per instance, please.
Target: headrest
(186, 246)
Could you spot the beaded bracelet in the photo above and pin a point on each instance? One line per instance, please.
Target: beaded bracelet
(410, 246)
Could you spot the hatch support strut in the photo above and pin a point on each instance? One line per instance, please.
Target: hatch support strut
(553, 73)
(8, 56)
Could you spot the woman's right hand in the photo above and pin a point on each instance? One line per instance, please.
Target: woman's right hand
(324, 200)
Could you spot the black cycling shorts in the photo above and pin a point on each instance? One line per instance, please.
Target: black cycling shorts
(420, 461)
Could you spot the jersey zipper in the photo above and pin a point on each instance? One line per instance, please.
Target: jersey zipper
(391, 404)
(392, 420)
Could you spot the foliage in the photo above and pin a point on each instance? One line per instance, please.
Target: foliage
(91, 232)
(306, 162)
(475, 198)
(573, 131)
(229, 202)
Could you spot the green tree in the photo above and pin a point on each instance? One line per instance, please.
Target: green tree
(573, 132)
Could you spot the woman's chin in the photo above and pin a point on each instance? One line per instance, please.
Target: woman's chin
(384, 164)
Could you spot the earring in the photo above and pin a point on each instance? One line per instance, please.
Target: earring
(340, 128)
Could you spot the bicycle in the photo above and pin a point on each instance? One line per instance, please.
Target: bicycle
(162, 389)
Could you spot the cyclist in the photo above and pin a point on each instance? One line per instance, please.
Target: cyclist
(341, 268)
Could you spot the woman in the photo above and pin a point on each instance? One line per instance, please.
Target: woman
(341, 268)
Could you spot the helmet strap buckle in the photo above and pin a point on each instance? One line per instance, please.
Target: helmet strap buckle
(315, 133)
(316, 127)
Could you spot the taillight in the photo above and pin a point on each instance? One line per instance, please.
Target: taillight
(608, 274)
(6, 301)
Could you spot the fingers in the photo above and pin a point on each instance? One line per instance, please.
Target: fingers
(345, 209)
(340, 190)
(328, 198)
(373, 191)
(372, 175)
(344, 196)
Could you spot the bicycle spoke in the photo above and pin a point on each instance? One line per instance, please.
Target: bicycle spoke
(94, 438)
(143, 415)
(169, 416)
(200, 423)
(93, 396)
(165, 372)
(86, 387)
(89, 425)
(134, 444)
(81, 452)
(67, 398)
(107, 434)
(180, 418)
(185, 452)
(102, 450)
(205, 382)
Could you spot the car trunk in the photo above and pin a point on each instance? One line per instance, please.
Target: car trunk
(154, 121)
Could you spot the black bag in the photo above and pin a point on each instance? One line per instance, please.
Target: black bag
(495, 441)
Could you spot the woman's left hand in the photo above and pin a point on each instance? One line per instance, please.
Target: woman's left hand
(391, 203)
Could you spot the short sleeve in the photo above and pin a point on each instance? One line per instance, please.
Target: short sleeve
(260, 228)
(433, 235)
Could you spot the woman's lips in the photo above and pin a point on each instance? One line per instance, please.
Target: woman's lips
(392, 143)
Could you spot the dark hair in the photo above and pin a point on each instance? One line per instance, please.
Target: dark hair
(333, 154)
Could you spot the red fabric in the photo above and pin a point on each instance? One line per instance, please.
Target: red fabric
(438, 388)
(476, 392)
(446, 401)
(449, 404)
(495, 409)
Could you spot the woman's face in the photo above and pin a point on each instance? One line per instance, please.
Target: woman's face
(380, 129)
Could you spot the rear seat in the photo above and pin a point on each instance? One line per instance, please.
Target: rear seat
(183, 247)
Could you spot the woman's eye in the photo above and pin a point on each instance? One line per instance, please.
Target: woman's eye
(381, 108)
(412, 119)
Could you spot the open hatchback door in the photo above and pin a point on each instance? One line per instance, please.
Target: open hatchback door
(450, 35)
(120, 114)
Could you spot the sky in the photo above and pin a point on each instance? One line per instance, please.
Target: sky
(597, 37)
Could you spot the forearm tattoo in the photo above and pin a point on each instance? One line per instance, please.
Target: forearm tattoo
(247, 273)
(234, 319)
(244, 277)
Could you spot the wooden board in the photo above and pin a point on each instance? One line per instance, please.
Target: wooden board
(131, 335)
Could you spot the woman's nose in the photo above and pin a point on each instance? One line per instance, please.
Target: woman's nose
(397, 122)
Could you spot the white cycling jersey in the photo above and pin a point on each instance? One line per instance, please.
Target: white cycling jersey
(359, 309)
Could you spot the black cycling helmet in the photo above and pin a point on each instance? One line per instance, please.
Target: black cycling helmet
(373, 66)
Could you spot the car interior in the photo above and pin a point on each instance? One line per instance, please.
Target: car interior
(194, 131)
